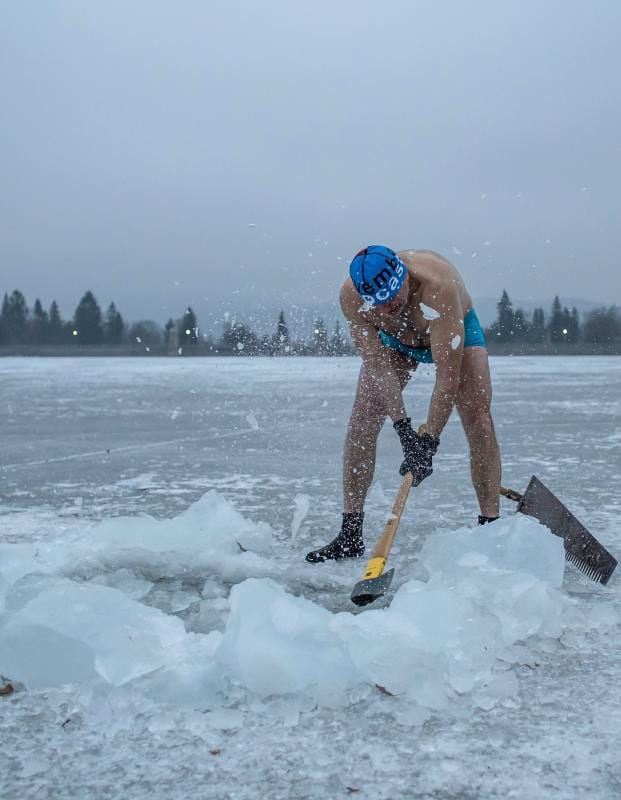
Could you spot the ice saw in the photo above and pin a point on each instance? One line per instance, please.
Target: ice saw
(581, 548)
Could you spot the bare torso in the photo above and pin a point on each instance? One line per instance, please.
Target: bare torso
(433, 284)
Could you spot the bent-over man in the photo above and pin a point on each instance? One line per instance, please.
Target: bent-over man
(404, 308)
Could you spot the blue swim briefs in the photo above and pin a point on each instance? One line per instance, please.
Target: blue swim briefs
(473, 337)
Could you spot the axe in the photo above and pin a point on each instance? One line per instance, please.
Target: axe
(581, 548)
(375, 582)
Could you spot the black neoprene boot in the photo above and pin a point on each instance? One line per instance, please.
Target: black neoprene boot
(348, 544)
(484, 520)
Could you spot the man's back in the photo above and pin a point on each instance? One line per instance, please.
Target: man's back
(434, 289)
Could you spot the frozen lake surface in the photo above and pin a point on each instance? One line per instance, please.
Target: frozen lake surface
(171, 640)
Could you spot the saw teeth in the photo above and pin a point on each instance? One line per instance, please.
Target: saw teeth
(592, 573)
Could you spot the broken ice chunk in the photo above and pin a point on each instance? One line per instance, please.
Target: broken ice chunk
(252, 421)
(302, 505)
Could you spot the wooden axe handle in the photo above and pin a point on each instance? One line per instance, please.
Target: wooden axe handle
(382, 548)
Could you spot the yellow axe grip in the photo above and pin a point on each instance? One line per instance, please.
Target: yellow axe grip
(374, 569)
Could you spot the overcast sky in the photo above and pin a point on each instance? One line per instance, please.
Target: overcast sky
(225, 153)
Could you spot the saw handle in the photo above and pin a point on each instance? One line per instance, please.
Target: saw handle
(511, 494)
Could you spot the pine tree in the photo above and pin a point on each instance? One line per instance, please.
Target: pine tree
(566, 325)
(5, 333)
(505, 324)
(602, 325)
(537, 331)
(170, 340)
(557, 322)
(338, 345)
(87, 325)
(320, 338)
(16, 315)
(573, 325)
(282, 330)
(39, 325)
(188, 329)
(239, 340)
(520, 326)
(281, 342)
(114, 326)
(56, 332)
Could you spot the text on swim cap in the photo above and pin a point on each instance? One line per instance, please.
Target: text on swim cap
(385, 281)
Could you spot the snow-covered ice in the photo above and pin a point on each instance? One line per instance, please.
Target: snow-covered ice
(438, 640)
(166, 627)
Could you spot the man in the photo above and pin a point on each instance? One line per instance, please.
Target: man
(403, 308)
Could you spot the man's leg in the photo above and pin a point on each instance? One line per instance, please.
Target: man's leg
(365, 423)
(367, 417)
(366, 420)
(474, 408)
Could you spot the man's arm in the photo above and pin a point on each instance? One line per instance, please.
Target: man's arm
(447, 348)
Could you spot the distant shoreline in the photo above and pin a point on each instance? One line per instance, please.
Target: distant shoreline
(102, 351)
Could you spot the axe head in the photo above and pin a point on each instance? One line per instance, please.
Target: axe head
(369, 590)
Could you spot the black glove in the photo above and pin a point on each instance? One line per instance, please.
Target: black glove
(418, 450)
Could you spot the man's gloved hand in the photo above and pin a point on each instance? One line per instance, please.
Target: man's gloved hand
(418, 451)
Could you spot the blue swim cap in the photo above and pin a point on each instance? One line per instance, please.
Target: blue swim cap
(378, 273)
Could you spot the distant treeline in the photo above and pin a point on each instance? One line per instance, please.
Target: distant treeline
(602, 326)
(30, 330)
